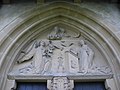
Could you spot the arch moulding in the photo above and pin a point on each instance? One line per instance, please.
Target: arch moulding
(31, 25)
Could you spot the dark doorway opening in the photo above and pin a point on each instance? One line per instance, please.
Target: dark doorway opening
(89, 86)
(32, 86)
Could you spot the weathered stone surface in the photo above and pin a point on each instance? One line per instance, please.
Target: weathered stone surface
(60, 55)
(80, 24)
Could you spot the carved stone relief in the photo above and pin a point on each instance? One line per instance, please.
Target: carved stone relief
(58, 56)
(59, 33)
(84, 55)
(60, 83)
(27, 69)
(56, 34)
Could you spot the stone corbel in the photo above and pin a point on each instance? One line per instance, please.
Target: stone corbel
(60, 83)
(14, 85)
(107, 86)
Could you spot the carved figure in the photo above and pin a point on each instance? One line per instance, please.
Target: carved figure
(35, 52)
(27, 55)
(47, 57)
(40, 51)
(50, 47)
(85, 57)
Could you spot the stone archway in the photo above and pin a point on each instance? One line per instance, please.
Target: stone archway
(23, 31)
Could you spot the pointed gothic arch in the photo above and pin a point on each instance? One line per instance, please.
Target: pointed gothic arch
(29, 25)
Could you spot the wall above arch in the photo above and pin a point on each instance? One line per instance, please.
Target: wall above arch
(26, 27)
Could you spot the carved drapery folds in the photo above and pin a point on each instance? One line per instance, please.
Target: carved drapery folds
(60, 53)
(84, 57)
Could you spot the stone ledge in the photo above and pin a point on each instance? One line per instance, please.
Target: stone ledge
(71, 77)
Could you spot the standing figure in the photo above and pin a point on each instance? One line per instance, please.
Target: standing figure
(85, 57)
(47, 57)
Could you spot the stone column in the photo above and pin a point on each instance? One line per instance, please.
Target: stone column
(40, 1)
(78, 1)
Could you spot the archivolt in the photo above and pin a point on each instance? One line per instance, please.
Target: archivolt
(29, 25)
